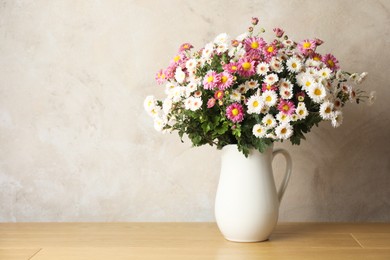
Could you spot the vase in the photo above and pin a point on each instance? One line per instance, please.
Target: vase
(247, 202)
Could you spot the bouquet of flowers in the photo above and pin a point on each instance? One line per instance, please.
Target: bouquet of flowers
(250, 92)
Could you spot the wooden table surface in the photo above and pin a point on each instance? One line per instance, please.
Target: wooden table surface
(117, 241)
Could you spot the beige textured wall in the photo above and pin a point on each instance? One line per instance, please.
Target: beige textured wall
(76, 145)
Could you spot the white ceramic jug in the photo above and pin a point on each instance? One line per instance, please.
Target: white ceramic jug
(247, 203)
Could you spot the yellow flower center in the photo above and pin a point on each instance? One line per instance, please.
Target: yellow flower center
(224, 79)
(316, 58)
(317, 92)
(219, 94)
(300, 98)
(283, 131)
(286, 108)
(235, 111)
(300, 112)
(254, 45)
(294, 65)
(328, 110)
(259, 130)
(331, 63)
(308, 83)
(268, 99)
(269, 121)
(255, 104)
(270, 49)
(234, 67)
(210, 79)
(246, 65)
(306, 45)
(176, 58)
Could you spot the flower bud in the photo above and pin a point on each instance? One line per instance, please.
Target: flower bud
(235, 43)
(255, 20)
(279, 32)
(250, 29)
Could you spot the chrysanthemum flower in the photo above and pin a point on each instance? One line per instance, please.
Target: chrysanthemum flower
(255, 104)
(231, 67)
(262, 68)
(211, 102)
(317, 93)
(326, 110)
(301, 111)
(259, 131)
(211, 80)
(283, 118)
(218, 94)
(180, 75)
(235, 112)
(307, 47)
(254, 45)
(185, 47)
(270, 98)
(196, 103)
(294, 65)
(160, 77)
(265, 87)
(235, 96)
(284, 131)
(276, 65)
(246, 67)
(331, 62)
(252, 84)
(337, 118)
(286, 107)
(226, 80)
(269, 121)
(271, 79)
(325, 73)
(270, 50)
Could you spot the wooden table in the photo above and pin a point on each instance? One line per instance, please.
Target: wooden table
(117, 241)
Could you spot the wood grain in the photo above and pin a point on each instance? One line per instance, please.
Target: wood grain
(190, 241)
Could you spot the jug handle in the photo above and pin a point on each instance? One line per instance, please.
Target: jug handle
(287, 173)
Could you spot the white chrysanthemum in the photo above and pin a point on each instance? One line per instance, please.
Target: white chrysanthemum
(294, 65)
(301, 104)
(301, 111)
(271, 79)
(240, 53)
(284, 131)
(167, 106)
(221, 48)
(255, 104)
(149, 103)
(159, 124)
(285, 89)
(208, 50)
(176, 94)
(235, 96)
(337, 118)
(191, 87)
(242, 88)
(221, 38)
(191, 64)
(276, 65)
(259, 131)
(269, 121)
(294, 117)
(308, 83)
(262, 68)
(169, 87)
(317, 93)
(252, 84)
(270, 98)
(241, 37)
(179, 75)
(288, 42)
(283, 118)
(325, 73)
(188, 103)
(326, 110)
(196, 103)
(312, 63)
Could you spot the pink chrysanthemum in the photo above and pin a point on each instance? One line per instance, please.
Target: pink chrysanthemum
(211, 103)
(286, 107)
(307, 47)
(170, 71)
(218, 95)
(178, 59)
(246, 67)
(231, 67)
(331, 62)
(235, 112)
(254, 45)
(161, 77)
(211, 80)
(185, 47)
(265, 87)
(226, 80)
(270, 50)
